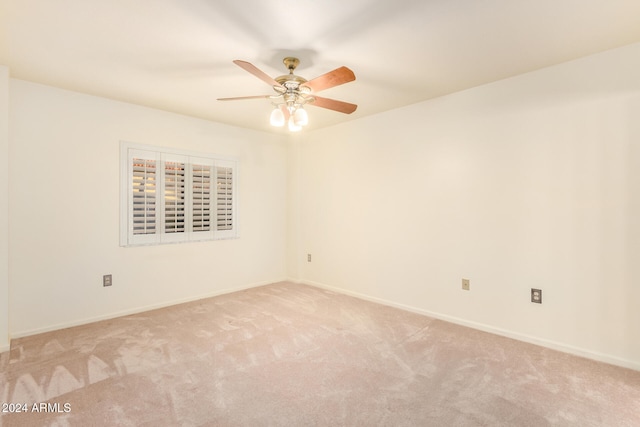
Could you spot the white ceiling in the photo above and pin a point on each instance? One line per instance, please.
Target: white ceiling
(176, 55)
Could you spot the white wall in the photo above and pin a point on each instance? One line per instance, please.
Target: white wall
(531, 182)
(64, 211)
(4, 209)
(528, 182)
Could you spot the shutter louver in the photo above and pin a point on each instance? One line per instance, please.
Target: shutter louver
(224, 198)
(201, 198)
(174, 197)
(144, 196)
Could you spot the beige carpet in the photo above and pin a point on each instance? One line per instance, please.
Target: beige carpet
(294, 355)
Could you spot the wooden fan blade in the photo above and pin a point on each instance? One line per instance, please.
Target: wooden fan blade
(334, 104)
(245, 97)
(332, 78)
(256, 72)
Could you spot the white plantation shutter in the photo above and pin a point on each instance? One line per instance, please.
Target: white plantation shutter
(224, 199)
(144, 196)
(142, 201)
(201, 197)
(170, 197)
(173, 183)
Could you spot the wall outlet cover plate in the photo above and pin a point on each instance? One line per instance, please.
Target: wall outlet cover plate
(536, 295)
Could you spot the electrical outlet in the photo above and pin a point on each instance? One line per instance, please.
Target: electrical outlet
(466, 284)
(536, 296)
(308, 257)
(107, 280)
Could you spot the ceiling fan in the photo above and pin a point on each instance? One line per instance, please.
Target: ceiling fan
(294, 92)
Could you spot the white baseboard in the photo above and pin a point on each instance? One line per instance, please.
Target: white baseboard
(63, 325)
(5, 348)
(565, 348)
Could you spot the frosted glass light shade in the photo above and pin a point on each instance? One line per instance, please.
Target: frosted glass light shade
(293, 127)
(300, 117)
(277, 117)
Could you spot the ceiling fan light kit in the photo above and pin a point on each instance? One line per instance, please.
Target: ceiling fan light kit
(294, 92)
(277, 117)
(293, 126)
(300, 117)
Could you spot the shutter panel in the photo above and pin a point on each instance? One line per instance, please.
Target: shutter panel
(144, 195)
(224, 198)
(141, 184)
(174, 197)
(201, 176)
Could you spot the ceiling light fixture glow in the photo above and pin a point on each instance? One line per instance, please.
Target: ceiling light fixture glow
(300, 117)
(291, 110)
(277, 117)
(293, 127)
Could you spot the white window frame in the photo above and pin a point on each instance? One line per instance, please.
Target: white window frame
(218, 201)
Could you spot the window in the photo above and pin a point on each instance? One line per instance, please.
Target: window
(171, 196)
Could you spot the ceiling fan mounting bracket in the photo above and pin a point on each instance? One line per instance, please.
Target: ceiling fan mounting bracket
(290, 81)
(291, 63)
